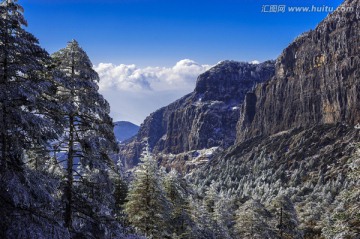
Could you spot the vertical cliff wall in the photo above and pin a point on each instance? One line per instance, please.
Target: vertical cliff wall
(317, 80)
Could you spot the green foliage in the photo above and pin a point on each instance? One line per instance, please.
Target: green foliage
(253, 221)
(87, 144)
(176, 191)
(287, 222)
(147, 207)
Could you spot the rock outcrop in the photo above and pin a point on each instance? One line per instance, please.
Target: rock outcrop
(317, 80)
(205, 118)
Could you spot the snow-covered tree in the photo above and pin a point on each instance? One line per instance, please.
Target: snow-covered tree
(147, 207)
(86, 145)
(203, 221)
(213, 201)
(176, 191)
(344, 221)
(253, 221)
(211, 197)
(224, 215)
(25, 89)
(28, 197)
(287, 221)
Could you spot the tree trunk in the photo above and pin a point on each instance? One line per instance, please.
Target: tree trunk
(4, 121)
(70, 163)
(70, 177)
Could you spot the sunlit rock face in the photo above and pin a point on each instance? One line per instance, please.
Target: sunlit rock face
(317, 80)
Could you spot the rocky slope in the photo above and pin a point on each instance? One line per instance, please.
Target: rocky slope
(298, 134)
(317, 80)
(311, 166)
(205, 118)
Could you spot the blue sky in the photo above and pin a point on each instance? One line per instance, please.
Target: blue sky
(160, 33)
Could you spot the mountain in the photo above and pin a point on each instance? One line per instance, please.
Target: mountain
(298, 133)
(125, 130)
(203, 119)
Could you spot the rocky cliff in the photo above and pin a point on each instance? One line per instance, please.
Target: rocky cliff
(317, 80)
(205, 118)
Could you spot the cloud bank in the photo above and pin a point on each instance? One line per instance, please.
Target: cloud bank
(134, 93)
(122, 77)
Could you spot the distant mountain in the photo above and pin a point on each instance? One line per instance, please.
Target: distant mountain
(125, 130)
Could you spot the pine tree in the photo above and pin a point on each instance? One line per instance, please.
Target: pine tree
(223, 215)
(211, 197)
(204, 224)
(176, 190)
(27, 202)
(87, 144)
(147, 207)
(120, 194)
(25, 91)
(344, 221)
(287, 222)
(211, 202)
(252, 221)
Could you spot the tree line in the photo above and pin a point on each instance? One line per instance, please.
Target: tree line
(164, 205)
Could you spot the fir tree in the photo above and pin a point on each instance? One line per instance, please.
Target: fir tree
(27, 202)
(224, 215)
(203, 219)
(147, 207)
(25, 89)
(252, 221)
(287, 222)
(176, 190)
(211, 202)
(87, 143)
(344, 220)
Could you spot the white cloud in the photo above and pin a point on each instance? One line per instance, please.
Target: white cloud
(255, 62)
(134, 93)
(131, 78)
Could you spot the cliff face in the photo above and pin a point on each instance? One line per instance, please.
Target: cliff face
(317, 80)
(203, 119)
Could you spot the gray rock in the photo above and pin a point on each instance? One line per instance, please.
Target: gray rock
(317, 80)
